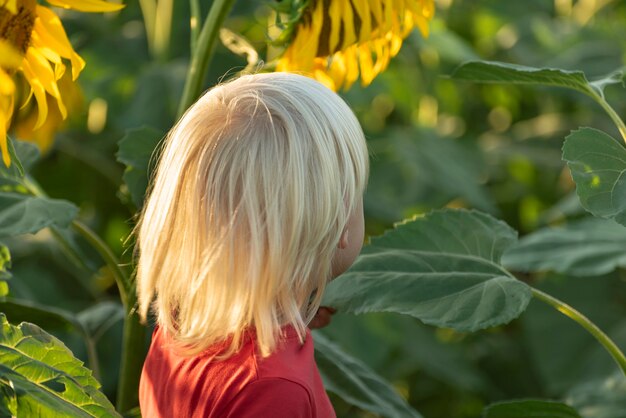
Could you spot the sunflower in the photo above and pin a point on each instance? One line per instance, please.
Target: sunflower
(336, 41)
(39, 50)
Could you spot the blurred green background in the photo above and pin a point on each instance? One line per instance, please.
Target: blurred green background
(434, 142)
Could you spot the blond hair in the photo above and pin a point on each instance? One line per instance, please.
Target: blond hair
(252, 191)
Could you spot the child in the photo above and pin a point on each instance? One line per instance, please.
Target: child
(256, 205)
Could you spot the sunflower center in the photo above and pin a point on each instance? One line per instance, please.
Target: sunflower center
(17, 28)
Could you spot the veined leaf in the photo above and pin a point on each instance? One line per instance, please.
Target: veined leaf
(25, 214)
(47, 379)
(500, 72)
(23, 156)
(356, 383)
(598, 166)
(530, 408)
(442, 269)
(135, 150)
(590, 247)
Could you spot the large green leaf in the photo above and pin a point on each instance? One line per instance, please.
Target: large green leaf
(500, 72)
(47, 379)
(442, 269)
(589, 247)
(598, 166)
(356, 383)
(25, 214)
(530, 408)
(136, 150)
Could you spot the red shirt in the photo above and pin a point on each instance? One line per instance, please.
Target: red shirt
(286, 384)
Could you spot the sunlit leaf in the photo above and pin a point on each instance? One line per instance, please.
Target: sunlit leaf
(586, 248)
(442, 269)
(500, 72)
(47, 379)
(530, 408)
(598, 163)
(25, 214)
(356, 383)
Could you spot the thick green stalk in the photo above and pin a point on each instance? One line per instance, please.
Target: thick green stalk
(123, 282)
(163, 29)
(149, 11)
(133, 342)
(194, 22)
(133, 355)
(201, 55)
(583, 321)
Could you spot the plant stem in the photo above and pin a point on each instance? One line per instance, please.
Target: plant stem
(133, 355)
(163, 29)
(616, 119)
(122, 280)
(611, 112)
(133, 342)
(194, 22)
(583, 321)
(149, 11)
(201, 55)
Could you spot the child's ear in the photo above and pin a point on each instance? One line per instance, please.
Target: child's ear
(343, 240)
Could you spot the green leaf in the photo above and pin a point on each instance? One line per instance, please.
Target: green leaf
(442, 269)
(604, 398)
(500, 72)
(25, 214)
(450, 231)
(356, 383)
(590, 247)
(530, 408)
(8, 398)
(15, 161)
(48, 380)
(48, 317)
(598, 166)
(136, 150)
(23, 157)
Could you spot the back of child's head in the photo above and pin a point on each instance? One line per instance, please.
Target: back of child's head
(253, 188)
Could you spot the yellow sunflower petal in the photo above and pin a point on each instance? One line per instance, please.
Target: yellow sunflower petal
(7, 87)
(352, 66)
(87, 5)
(376, 7)
(366, 64)
(334, 11)
(347, 15)
(6, 158)
(362, 8)
(337, 70)
(10, 5)
(9, 57)
(50, 30)
(39, 91)
(45, 49)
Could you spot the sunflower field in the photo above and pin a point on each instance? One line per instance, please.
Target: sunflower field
(493, 280)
